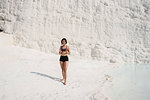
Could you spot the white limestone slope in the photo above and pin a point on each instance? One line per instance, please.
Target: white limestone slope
(27, 74)
(112, 30)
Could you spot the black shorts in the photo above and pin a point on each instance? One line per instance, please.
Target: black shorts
(64, 58)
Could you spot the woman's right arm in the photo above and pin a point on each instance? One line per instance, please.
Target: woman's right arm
(60, 52)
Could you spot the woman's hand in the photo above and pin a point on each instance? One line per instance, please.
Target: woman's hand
(64, 52)
(60, 52)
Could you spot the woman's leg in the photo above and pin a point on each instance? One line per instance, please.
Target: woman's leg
(62, 68)
(65, 71)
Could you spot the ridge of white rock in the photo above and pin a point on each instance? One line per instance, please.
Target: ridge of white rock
(112, 30)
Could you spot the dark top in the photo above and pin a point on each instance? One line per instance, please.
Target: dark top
(63, 49)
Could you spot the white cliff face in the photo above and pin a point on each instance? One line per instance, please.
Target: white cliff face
(112, 30)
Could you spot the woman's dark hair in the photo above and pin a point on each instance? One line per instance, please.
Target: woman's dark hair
(64, 39)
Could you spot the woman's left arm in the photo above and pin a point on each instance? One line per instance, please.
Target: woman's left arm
(68, 50)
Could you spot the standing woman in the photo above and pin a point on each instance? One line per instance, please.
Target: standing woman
(63, 51)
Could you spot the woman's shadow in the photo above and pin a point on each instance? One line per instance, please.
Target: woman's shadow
(53, 78)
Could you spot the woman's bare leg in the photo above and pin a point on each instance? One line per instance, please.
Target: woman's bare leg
(62, 68)
(65, 71)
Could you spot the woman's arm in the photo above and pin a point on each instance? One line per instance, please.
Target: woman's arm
(68, 50)
(60, 52)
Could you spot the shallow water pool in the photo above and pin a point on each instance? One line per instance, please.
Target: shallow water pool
(130, 82)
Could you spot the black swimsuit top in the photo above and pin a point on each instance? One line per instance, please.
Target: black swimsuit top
(63, 49)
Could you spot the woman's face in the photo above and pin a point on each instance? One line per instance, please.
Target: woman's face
(63, 42)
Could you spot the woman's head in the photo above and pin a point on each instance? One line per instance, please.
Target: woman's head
(64, 41)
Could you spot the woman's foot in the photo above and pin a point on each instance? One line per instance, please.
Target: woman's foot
(64, 83)
(61, 80)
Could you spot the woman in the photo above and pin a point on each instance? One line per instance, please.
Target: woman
(63, 51)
